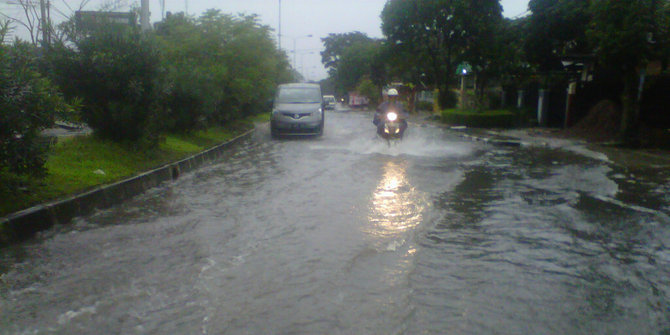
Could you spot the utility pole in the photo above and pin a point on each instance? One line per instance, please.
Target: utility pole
(279, 34)
(45, 26)
(144, 15)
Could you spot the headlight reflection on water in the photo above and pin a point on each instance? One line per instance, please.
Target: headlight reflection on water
(396, 206)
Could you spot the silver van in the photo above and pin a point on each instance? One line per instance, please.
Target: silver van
(297, 110)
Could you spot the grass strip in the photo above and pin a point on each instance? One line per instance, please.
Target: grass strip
(77, 164)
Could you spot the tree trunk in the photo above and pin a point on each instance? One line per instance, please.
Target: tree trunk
(630, 112)
(412, 100)
(481, 82)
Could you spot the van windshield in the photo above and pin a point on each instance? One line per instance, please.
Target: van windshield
(303, 95)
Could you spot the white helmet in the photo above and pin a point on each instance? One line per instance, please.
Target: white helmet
(392, 92)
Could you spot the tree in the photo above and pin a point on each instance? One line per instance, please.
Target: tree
(32, 21)
(486, 42)
(29, 103)
(188, 93)
(511, 65)
(255, 68)
(117, 72)
(357, 61)
(626, 36)
(350, 57)
(336, 44)
(220, 67)
(436, 32)
(556, 28)
(424, 29)
(369, 90)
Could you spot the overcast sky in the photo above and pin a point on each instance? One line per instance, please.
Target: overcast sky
(299, 18)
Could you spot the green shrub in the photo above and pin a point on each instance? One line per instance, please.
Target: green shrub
(220, 68)
(488, 119)
(184, 109)
(368, 89)
(447, 98)
(424, 106)
(494, 99)
(117, 73)
(29, 103)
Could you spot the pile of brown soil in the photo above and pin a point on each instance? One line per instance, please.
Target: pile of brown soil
(601, 124)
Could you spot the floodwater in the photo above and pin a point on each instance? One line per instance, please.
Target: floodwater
(345, 234)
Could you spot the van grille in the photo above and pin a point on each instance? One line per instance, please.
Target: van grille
(296, 115)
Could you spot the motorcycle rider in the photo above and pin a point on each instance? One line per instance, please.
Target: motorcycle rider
(394, 104)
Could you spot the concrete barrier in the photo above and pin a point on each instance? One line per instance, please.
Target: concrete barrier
(25, 224)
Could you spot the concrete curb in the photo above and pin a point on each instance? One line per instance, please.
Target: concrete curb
(25, 224)
(493, 141)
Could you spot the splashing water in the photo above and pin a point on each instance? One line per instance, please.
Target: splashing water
(419, 142)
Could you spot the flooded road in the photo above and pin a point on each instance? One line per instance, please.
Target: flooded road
(346, 235)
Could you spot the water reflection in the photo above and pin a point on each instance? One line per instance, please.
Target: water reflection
(396, 205)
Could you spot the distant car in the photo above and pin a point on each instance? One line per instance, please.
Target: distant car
(297, 110)
(330, 101)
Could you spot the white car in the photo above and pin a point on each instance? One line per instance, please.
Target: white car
(330, 101)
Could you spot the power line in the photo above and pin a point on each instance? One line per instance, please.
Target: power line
(520, 15)
(21, 3)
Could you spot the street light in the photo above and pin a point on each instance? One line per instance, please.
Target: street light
(294, 49)
(312, 73)
(463, 69)
(302, 60)
(464, 73)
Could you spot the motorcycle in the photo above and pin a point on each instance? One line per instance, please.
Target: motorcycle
(391, 126)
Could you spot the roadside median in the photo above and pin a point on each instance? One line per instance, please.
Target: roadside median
(26, 223)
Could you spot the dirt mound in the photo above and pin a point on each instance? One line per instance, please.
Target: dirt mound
(602, 123)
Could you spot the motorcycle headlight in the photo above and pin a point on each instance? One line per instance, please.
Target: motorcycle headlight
(392, 116)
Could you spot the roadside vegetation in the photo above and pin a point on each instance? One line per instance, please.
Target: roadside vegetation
(609, 49)
(149, 97)
(76, 164)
